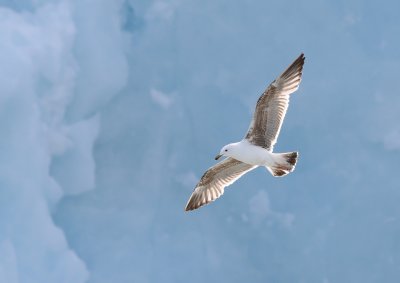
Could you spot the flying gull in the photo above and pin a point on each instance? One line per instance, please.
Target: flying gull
(256, 149)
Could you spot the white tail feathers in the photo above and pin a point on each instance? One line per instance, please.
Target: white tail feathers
(284, 163)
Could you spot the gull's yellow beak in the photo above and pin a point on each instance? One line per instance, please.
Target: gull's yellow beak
(218, 156)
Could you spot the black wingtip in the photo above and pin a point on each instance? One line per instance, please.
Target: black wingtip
(301, 58)
(295, 68)
(190, 206)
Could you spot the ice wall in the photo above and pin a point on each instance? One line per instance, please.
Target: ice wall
(54, 77)
(112, 110)
(196, 70)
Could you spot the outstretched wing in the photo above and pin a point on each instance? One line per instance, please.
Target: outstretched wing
(215, 179)
(272, 106)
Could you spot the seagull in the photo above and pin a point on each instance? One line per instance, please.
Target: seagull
(256, 148)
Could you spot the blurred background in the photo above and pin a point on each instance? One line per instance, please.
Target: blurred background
(110, 112)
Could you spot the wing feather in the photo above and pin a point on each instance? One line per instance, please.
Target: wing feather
(215, 179)
(272, 106)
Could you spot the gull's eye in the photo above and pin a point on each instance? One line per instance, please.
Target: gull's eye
(226, 150)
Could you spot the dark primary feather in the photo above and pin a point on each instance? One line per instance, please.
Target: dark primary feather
(272, 106)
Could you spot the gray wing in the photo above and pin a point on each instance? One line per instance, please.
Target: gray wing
(215, 179)
(272, 106)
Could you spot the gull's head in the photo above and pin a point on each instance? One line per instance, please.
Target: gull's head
(225, 151)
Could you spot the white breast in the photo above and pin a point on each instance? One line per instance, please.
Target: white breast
(252, 154)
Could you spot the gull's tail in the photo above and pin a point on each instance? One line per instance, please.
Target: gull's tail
(284, 163)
